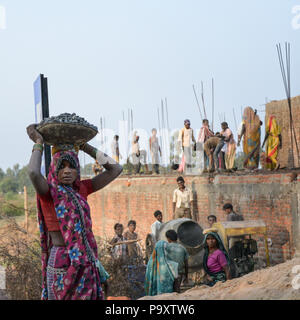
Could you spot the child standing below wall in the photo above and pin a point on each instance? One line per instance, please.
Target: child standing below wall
(211, 220)
(157, 224)
(118, 251)
(133, 249)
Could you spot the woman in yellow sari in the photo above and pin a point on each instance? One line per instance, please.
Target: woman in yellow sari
(250, 129)
(273, 139)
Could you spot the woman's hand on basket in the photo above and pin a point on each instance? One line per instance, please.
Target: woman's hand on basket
(33, 134)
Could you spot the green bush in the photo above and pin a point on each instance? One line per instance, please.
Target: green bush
(10, 196)
(15, 179)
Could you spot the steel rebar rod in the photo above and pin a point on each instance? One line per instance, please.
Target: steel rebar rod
(202, 97)
(236, 127)
(197, 103)
(285, 72)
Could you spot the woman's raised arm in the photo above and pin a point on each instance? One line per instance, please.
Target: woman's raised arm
(34, 168)
(113, 169)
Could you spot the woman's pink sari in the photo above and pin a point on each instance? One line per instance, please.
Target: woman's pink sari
(81, 279)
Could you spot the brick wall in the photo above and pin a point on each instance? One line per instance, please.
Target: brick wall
(281, 111)
(271, 197)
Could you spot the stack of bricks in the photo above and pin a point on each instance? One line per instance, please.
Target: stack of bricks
(280, 110)
(271, 197)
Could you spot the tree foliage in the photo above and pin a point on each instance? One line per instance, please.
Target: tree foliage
(14, 180)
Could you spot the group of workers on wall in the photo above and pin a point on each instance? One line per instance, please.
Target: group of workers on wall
(215, 151)
(167, 268)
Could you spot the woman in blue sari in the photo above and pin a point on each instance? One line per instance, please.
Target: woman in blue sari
(161, 272)
(215, 259)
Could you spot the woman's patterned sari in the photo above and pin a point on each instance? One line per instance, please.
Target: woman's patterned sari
(161, 272)
(252, 125)
(75, 269)
(273, 130)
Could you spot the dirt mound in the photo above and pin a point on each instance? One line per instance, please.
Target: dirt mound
(273, 283)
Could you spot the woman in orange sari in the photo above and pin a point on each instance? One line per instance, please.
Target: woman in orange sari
(273, 139)
(251, 144)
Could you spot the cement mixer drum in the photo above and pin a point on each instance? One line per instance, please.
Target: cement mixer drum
(190, 234)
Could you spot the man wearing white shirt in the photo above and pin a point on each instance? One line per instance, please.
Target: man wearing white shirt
(115, 149)
(188, 140)
(182, 201)
(204, 134)
(136, 153)
(157, 224)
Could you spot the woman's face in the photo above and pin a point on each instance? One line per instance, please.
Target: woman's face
(211, 241)
(67, 174)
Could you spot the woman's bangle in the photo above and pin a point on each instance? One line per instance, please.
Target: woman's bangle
(38, 146)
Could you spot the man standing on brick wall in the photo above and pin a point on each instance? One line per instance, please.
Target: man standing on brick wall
(204, 134)
(182, 201)
(154, 149)
(136, 153)
(115, 149)
(187, 138)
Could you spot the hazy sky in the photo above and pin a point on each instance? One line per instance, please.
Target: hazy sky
(102, 57)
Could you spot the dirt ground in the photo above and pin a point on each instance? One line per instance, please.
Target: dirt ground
(273, 283)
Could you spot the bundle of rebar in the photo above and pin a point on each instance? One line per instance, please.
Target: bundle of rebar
(286, 77)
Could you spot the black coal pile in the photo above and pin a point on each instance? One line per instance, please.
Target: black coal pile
(68, 118)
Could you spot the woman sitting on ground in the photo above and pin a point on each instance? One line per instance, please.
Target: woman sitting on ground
(70, 266)
(161, 272)
(215, 259)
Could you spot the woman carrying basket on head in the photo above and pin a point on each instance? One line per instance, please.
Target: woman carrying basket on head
(70, 266)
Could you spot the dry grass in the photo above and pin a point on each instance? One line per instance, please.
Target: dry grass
(123, 280)
(20, 255)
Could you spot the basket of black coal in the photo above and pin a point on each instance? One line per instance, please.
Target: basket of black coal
(66, 129)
